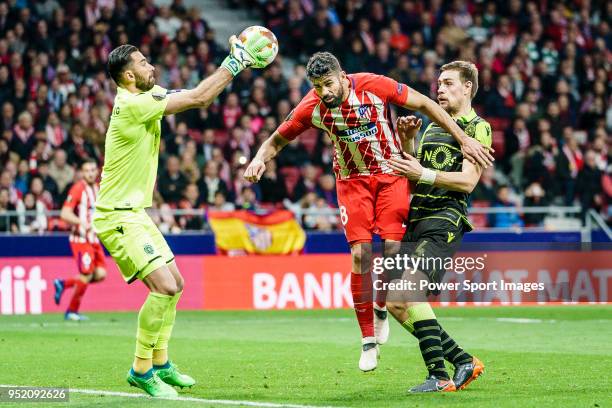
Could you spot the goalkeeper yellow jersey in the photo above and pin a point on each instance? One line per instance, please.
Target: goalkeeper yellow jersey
(132, 149)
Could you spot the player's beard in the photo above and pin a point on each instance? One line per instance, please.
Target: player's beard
(337, 101)
(143, 83)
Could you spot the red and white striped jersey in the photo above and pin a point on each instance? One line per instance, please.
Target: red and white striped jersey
(361, 128)
(81, 199)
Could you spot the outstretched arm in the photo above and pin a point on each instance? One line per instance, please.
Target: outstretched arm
(472, 149)
(267, 151)
(202, 95)
(241, 56)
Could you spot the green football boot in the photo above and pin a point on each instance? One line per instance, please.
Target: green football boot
(153, 385)
(171, 376)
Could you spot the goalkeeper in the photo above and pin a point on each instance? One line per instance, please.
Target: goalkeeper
(126, 189)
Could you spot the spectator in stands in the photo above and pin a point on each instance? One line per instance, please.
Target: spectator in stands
(37, 188)
(172, 181)
(272, 185)
(327, 190)
(307, 183)
(535, 197)
(220, 203)
(294, 154)
(22, 179)
(589, 184)
(191, 201)
(248, 199)
(8, 223)
(569, 165)
(49, 183)
(7, 182)
(60, 170)
(31, 215)
(231, 111)
(211, 183)
(509, 219)
(485, 189)
(22, 140)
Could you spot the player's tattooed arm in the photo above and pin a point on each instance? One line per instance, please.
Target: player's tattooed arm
(472, 149)
(408, 128)
(267, 151)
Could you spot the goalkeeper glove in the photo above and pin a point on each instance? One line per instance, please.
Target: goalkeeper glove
(253, 53)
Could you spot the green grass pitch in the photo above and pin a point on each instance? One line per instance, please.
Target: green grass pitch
(549, 356)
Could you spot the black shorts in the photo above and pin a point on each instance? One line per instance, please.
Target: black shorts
(436, 241)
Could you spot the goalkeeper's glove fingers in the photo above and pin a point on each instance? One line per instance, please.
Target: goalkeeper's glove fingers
(252, 54)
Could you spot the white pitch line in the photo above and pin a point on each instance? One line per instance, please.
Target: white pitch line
(186, 399)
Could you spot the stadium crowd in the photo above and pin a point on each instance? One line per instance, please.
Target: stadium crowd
(545, 75)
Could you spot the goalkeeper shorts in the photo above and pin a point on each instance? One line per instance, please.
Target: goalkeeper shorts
(133, 240)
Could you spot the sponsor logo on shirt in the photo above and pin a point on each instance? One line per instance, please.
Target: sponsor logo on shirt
(357, 134)
(364, 110)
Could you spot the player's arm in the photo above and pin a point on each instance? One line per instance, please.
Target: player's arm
(241, 56)
(462, 181)
(267, 151)
(202, 95)
(67, 214)
(472, 149)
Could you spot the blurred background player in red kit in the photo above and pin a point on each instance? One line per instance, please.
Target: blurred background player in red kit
(86, 248)
(354, 110)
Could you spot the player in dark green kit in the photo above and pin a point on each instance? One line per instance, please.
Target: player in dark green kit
(438, 219)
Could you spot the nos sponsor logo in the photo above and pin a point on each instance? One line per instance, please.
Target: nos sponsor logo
(21, 290)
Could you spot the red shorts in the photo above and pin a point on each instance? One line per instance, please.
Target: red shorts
(88, 256)
(373, 205)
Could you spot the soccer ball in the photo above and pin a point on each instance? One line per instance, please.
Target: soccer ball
(272, 41)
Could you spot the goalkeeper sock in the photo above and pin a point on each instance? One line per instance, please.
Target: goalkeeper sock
(452, 351)
(79, 290)
(361, 288)
(427, 331)
(166, 328)
(150, 321)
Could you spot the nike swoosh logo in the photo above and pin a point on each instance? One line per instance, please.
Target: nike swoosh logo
(441, 386)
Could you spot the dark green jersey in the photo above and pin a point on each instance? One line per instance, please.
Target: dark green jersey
(438, 150)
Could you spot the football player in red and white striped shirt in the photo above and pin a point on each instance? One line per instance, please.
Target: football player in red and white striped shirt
(354, 110)
(86, 248)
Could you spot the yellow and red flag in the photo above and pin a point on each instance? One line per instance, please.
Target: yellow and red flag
(242, 232)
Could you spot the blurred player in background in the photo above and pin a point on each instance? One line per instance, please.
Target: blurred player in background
(354, 111)
(86, 249)
(126, 189)
(438, 219)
